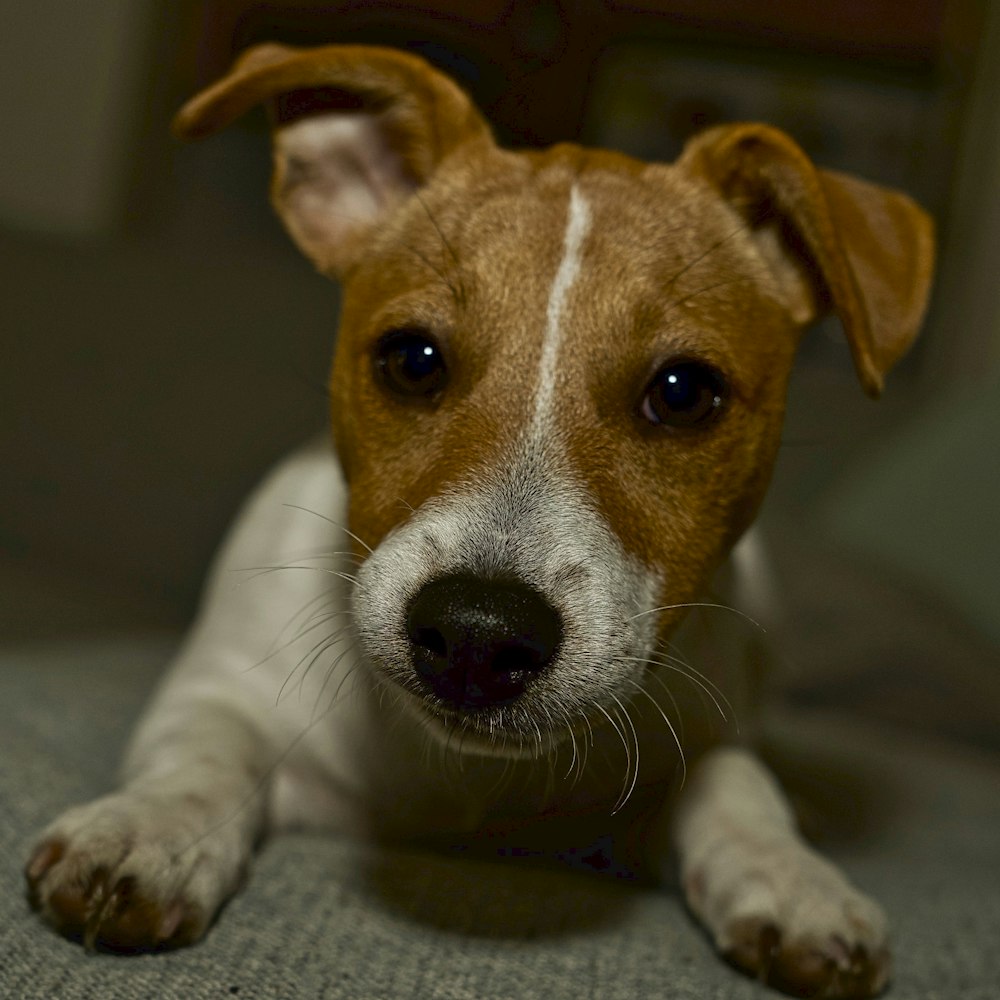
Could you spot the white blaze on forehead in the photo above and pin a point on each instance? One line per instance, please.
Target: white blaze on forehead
(577, 227)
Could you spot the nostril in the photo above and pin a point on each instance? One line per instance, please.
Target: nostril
(431, 640)
(510, 659)
(478, 642)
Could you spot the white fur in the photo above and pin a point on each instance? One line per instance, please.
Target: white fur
(746, 869)
(525, 518)
(577, 227)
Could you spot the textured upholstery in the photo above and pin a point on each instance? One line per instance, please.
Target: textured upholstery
(326, 917)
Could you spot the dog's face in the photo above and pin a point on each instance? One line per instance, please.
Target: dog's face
(559, 378)
(544, 380)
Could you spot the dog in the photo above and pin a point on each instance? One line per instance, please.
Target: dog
(556, 400)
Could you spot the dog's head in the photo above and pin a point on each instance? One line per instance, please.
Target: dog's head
(560, 376)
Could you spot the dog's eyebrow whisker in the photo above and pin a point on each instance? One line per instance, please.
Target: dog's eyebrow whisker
(674, 303)
(456, 294)
(434, 222)
(330, 520)
(706, 253)
(459, 293)
(699, 604)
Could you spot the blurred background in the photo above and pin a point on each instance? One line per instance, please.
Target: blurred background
(163, 342)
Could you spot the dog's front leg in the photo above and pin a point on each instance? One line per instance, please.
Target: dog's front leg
(772, 905)
(149, 865)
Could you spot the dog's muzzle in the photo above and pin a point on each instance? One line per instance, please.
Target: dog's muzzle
(478, 643)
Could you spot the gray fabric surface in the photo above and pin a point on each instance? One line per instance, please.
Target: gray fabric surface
(325, 917)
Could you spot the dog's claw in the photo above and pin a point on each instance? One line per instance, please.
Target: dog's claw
(44, 857)
(116, 915)
(830, 971)
(114, 876)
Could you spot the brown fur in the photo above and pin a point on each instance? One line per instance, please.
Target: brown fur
(724, 257)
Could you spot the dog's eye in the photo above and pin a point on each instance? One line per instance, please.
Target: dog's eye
(684, 394)
(409, 363)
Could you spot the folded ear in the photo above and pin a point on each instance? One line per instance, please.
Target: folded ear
(834, 242)
(356, 130)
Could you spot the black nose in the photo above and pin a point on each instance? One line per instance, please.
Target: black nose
(479, 642)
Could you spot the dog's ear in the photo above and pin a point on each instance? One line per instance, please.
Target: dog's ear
(834, 242)
(356, 130)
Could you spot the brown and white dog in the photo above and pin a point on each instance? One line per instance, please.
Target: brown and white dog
(556, 401)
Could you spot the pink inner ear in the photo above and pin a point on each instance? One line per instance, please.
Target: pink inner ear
(337, 175)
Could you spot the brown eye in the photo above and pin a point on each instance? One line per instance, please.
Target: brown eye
(409, 363)
(684, 394)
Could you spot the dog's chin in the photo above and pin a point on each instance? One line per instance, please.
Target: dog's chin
(503, 732)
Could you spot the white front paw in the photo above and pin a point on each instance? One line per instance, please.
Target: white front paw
(132, 873)
(788, 917)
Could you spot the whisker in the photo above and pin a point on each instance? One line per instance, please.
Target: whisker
(334, 639)
(326, 554)
(266, 570)
(304, 630)
(670, 726)
(440, 232)
(628, 752)
(259, 788)
(635, 764)
(283, 631)
(326, 680)
(459, 293)
(669, 652)
(674, 303)
(673, 701)
(685, 671)
(700, 604)
(706, 253)
(445, 280)
(575, 757)
(316, 651)
(673, 660)
(330, 520)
